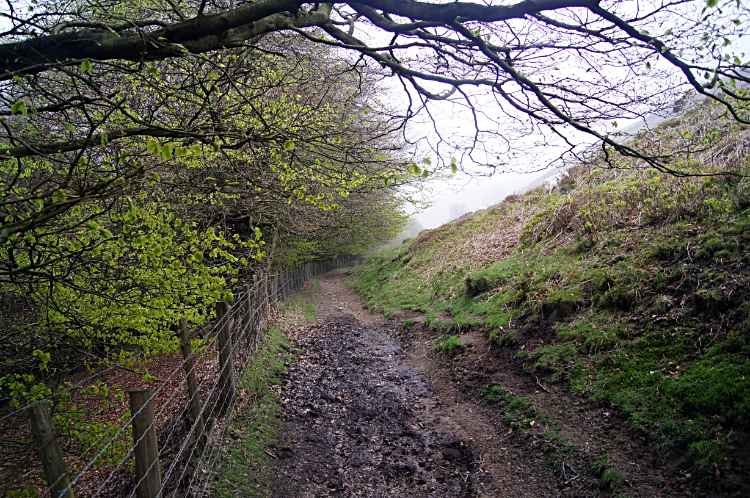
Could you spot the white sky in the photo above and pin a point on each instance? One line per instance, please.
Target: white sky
(479, 193)
(474, 194)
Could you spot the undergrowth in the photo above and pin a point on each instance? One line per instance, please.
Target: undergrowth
(637, 282)
(450, 345)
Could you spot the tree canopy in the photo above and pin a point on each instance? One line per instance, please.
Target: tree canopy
(555, 67)
(284, 99)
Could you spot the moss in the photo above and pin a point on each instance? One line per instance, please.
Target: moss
(562, 304)
(450, 345)
(509, 339)
(710, 301)
(553, 358)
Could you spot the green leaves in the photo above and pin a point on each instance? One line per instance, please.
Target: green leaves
(288, 145)
(19, 106)
(166, 152)
(454, 166)
(712, 3)
(86, 66)
(59, 195)
(153, 147)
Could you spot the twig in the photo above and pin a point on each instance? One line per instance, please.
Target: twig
(485, 354)
(571, 480)
(270, 454)
(540, 385)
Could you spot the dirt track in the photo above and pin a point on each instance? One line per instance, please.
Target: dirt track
(369, 409)
(365, 416)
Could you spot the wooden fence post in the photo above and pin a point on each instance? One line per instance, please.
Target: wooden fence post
(49, 451)
(265, 302)
(247, 313)
(194, 401)
(146, 451)
(226, 363)
(275, 292)
(244, 324)
(287, 283)
(258, 303)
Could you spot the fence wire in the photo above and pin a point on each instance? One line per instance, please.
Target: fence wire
(103, 467)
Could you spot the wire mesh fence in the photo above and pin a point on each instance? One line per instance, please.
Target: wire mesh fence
(146, 437)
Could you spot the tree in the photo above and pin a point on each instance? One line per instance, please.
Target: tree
(173, 177)
(89, 88)
(508, 51)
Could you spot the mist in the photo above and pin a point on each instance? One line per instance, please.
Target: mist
(454, 199)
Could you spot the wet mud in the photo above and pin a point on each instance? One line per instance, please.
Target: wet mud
(356, 422)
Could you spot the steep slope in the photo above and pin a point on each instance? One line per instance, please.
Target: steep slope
(628, 291)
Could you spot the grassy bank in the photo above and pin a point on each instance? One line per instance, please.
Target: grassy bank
(244, 467)
(629, 287)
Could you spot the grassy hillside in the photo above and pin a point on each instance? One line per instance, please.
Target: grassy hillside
(629, 288)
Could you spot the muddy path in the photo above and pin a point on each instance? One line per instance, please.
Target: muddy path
(367, 414)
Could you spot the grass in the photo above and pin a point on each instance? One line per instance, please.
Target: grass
(639, 284)
(299, 309)
(244, 469)
(523, 416)
(513, 406)
(449, 345)
(610, 477)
